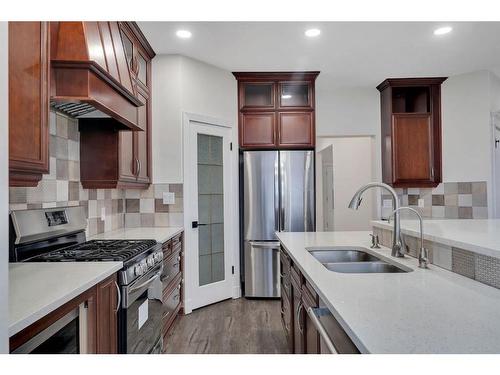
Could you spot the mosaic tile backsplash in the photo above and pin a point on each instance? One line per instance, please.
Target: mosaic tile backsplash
(62, 187)
(449, 200)
(482, 268)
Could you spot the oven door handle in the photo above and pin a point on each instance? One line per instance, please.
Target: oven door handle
(147, 282)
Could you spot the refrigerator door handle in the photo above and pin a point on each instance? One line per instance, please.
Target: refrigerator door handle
(265, 244)
(277, 222)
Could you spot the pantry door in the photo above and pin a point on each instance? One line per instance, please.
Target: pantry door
(209, 225)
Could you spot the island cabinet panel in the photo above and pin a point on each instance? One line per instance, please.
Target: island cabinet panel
(411, 131)
(29, 66)
(276, 110)
(297, 296)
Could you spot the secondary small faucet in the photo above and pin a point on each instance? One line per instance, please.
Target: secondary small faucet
(397, 248)
(423, 254)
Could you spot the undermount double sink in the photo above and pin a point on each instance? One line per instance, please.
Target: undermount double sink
(353, 260)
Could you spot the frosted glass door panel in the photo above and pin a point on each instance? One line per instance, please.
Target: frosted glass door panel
(210, 209)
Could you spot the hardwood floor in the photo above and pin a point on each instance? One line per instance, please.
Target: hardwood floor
(239, 326)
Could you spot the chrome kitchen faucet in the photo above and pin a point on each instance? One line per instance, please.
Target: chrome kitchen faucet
(423, 254)
(397, 247)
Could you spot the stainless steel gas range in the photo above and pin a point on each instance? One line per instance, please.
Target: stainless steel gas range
(58, 235)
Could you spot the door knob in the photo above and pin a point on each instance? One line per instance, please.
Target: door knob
(195, 224)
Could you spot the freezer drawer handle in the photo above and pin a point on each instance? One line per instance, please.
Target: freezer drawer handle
(265, 245)
(321, 329)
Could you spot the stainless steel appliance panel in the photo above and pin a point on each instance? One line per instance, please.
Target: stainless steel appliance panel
(144, 297)
(260, 194)
(297, 191)
(262, 269)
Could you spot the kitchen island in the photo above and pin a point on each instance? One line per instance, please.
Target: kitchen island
(422, 311)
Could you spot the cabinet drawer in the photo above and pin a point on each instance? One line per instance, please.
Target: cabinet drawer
(177, 240)
(171, 302)
(171, 268)
(296, 276)
(167, 248)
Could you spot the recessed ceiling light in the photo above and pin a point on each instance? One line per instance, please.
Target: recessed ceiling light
(183, 34)
(311, 33)
(286, 96)
(443, 30)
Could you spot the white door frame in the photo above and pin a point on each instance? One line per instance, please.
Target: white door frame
(190, 211)
(495, 189)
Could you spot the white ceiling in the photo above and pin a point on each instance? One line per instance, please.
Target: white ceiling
(348, 54)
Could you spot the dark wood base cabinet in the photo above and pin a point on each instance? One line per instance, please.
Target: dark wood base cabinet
(101, 305)
(172, 281)
(297, 295)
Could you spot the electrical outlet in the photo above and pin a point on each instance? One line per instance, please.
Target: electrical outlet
(168, 198)
(103, 213)
(420, 203)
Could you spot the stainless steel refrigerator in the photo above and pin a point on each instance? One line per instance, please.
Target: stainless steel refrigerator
(278, 196)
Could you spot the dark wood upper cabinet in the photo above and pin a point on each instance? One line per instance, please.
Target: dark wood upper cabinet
(127, 153)
(411, 131)
(295, 95)
(276, 110)
(257, 95)
(29, 68)
(296, 129)
(257, 129)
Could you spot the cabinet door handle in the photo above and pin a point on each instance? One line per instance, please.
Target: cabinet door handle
(136, 160)
(301, 329)
(140, 167)
(119, 297)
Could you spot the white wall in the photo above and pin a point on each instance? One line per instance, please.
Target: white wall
(4, 196)
(182, 84)
(352, 167)
(466, 129)
(349, 112)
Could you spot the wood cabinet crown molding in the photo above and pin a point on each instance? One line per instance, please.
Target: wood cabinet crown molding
(277, 76)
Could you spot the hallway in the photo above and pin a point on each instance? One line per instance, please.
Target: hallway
(239, 326)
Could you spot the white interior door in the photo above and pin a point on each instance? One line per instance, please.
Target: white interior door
(208, 221)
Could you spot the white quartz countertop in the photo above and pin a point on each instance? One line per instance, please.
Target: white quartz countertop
(159, 234)
(36, 289)
(477, 235)
(423, 311)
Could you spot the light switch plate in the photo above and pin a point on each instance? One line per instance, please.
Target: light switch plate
(168, 198)
(420, 203)
(103, 213)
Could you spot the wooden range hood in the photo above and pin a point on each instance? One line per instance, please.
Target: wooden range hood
(90, 73)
